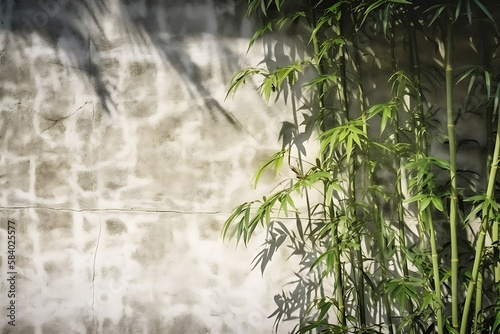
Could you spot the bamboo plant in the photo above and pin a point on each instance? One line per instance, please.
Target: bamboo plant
(381, 251)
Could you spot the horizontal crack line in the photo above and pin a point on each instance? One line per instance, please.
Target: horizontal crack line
(143, 210)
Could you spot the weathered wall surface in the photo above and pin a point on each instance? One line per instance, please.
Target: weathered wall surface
(120, 159)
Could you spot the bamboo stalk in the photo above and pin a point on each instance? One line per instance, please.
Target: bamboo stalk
(419, 125)
(337, 272)
(376, 215)
(338, 277)
(482, 233)
(350, 209)
(321, 71)
(453, 172)
(398, 167)
(435, 270)
(339, 287)
(479, 301)
(495, 240)
(424, 217)
(486, 58)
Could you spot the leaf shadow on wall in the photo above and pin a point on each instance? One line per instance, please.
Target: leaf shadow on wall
(52, 20)
(82, 23)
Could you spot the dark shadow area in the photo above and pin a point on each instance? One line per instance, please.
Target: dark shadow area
(168, 25)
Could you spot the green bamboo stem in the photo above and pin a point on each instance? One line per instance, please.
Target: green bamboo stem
(482, 232)
(344, 98)
(360, 282)
(486, 58)
(376, 215)
(419, 125)
(339, 284)
(398, 167)
(339, 287)
(486, 55)
(350, 209)
(337, 272)
(479, 301)
(435, 271)
(321, 71)
(496, 257)
(453, 172)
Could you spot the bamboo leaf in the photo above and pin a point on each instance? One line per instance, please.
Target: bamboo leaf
(386, 114)
(441, 163)
(425, 203)
(496, 100)
(260, 32)
(415, 198)
(474, 212)
(275, 162)
(278, 4)
(485, 10)
(471, 84)
(348, 147)
(438, 204)
(324, 78)
(487, 82)
(469, 12)
(470, 70)
(328, 44)
(232, 217)
(439, 10)
(476, 198)
(496, 325)
(240, 78)
(319, 24)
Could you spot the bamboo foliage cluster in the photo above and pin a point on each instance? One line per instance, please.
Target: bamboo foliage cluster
(420, 256)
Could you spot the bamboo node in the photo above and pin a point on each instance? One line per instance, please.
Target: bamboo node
(451, 125)
(454, 260)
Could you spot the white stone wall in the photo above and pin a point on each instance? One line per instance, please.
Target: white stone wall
(120, 160)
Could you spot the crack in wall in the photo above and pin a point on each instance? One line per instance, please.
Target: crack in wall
(136, 210)
(93, 275)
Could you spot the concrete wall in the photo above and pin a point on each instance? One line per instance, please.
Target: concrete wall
(120, 160)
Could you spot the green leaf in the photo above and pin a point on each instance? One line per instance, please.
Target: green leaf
(240, 78)
(475, 198)
(471, 83)
(275, 162)
(439, 10)
(497, 96)
(469, 11)
(327, 45)
(232, 217)
(438, 204)
(415, 198)
(474, 212)
(278, 4)
(425, 203)
(485, 10)
(319, 24)
(260, 32)
(440, 163)
(348, 147)
(386, 114)
(324, 78)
